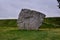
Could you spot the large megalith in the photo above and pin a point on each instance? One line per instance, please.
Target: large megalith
(30, 19)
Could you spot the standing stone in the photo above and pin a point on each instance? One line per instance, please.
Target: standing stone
(30, 19)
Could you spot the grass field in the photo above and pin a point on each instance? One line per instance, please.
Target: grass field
(50, 30)
(48, 23)
(12, 33)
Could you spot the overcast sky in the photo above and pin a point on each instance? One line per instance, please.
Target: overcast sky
(11, 8)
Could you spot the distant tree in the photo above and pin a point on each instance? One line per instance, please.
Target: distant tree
(59, 3)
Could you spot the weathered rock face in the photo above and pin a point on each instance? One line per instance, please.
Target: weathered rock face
(30, 19)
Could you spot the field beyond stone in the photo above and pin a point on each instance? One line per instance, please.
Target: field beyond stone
(50, 30)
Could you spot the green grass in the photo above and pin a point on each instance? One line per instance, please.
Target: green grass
(48, 23)
(50, 30)
(12, 33)
(8, 22)
(53, 20)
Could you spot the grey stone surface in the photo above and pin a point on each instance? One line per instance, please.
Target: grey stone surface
(30, 19)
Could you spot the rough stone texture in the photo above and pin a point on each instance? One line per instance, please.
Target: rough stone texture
(30, 19)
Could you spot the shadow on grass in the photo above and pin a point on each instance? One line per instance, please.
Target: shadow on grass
(29, 30)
